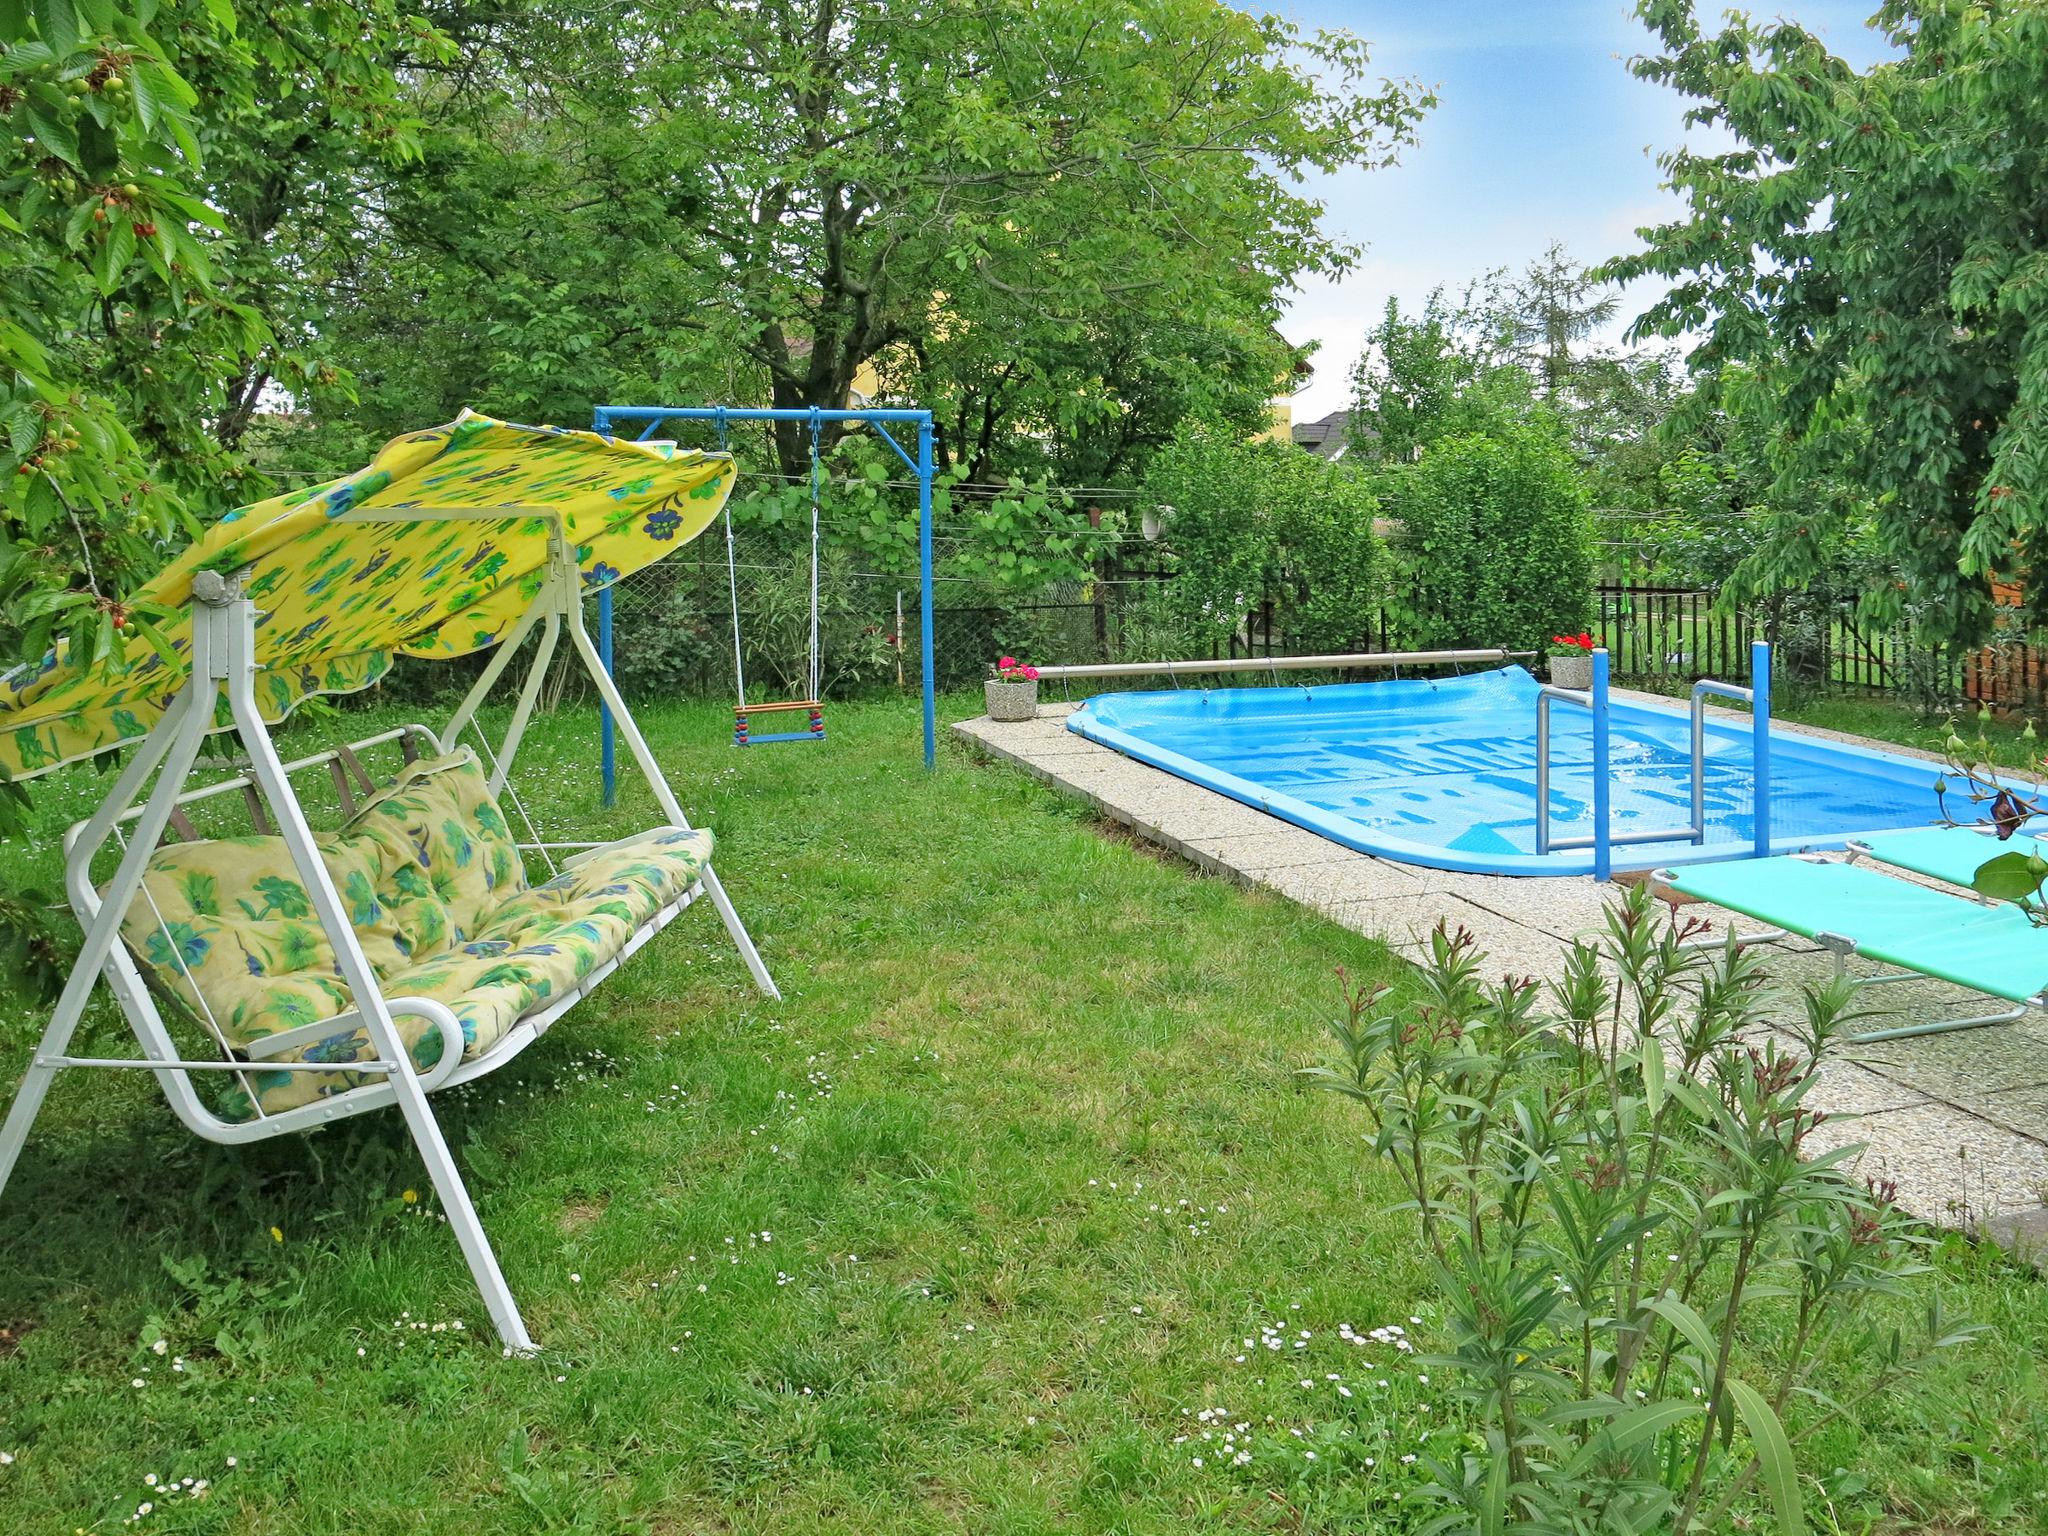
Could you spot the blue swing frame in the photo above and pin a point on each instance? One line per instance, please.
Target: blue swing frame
(606, 419)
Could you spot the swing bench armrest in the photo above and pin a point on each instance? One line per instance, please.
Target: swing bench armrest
(585, 855)
(439, 1015)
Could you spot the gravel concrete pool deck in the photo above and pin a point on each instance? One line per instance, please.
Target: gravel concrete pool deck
(1959, 1121)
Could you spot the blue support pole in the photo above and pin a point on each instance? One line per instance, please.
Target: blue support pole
(1603, 853)
(1760, 738)
(607, 731)
(924, 581)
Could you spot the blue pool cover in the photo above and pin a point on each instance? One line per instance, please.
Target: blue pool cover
(1442, 771)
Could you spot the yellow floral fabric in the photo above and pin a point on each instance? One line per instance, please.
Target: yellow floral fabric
(340, 599)
(437, 894)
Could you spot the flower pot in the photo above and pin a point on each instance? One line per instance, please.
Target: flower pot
(1573, 671)
(1011, 701)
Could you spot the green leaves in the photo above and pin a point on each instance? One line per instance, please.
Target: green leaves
(1249, 520)
(1496, 540)
(1774, 1453)
(2015, 876)
(1868, 256)
(1689, 1324)
(59, 23)
(1615, 1270)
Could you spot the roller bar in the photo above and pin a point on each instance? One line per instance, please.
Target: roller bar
(1274, 663)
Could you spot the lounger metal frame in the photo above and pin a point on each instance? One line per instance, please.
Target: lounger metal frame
(224, 662)
(1841, 948)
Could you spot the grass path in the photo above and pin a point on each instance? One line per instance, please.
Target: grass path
(963, 1236)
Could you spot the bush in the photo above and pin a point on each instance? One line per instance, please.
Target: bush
(1643, 1269)
(663, 643)
(1253, 521)
(1496, 542)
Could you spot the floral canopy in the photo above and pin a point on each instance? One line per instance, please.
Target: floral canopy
(339, 599)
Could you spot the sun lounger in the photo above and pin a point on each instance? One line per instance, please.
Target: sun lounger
(1849, 909)
(1951, 855)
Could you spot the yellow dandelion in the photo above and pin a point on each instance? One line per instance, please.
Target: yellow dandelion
(277, 1234)
(411, 1197)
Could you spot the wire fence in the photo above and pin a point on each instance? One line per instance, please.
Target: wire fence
(674, 623)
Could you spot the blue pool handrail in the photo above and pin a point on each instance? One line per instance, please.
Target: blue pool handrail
(1596, 699)
(1601, 839)
(1760, 728)
(1758, 696)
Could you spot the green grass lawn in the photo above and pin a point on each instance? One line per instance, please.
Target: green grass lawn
(985, 1227)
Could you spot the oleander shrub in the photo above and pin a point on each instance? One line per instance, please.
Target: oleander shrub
(1654, 1288)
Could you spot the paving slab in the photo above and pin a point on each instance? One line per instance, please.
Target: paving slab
(1405, 924)
(1950, 1165)
(1970, 1064)
(1847, 1089)
(1959, 1121)
(1261, 850)
(1325, 887)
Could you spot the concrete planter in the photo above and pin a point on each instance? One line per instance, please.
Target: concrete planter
(1574, 671)
(1011, 701)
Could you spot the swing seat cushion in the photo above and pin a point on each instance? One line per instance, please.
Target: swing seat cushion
(437, 893)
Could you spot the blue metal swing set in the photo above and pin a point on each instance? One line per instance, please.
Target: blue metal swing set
(608, 419)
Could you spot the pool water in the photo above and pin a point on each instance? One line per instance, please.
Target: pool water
(1442, 772)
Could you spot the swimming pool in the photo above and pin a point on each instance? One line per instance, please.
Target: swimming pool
(1442, 772)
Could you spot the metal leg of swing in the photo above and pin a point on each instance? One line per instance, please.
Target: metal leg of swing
(175, 743)
(664, 795)
(267, 770)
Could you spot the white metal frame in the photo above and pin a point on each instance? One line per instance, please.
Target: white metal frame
(223, 662)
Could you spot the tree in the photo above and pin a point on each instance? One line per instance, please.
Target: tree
(1871, 250)
(1016, 212)
(1259, 520)
(152, 151)
(1495, 546)
(110, 312)
(1443, 373)
(1553, 306)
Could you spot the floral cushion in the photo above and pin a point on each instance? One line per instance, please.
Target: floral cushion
(436, 892)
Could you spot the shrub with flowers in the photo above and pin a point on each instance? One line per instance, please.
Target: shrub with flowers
(1008, 669)
(1580, 644)
(1656, 1285)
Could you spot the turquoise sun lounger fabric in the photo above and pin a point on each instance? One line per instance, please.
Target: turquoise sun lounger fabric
(1991, 948)
(1950, 854)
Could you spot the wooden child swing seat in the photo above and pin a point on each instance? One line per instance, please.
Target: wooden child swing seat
(408, 951)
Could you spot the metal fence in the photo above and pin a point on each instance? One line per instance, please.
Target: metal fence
(674, 631)
(1677, 635)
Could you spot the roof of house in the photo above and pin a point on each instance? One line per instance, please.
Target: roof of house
(1327, 438)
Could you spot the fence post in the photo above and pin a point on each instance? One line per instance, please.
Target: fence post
(1603, 854)
(607, 731)
(1760, 737)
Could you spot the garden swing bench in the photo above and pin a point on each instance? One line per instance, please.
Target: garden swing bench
(406, 952)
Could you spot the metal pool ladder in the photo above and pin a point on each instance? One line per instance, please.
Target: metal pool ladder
(1602, 838)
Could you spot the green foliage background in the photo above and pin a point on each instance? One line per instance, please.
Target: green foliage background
(1495, 543)
(1263, 520)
